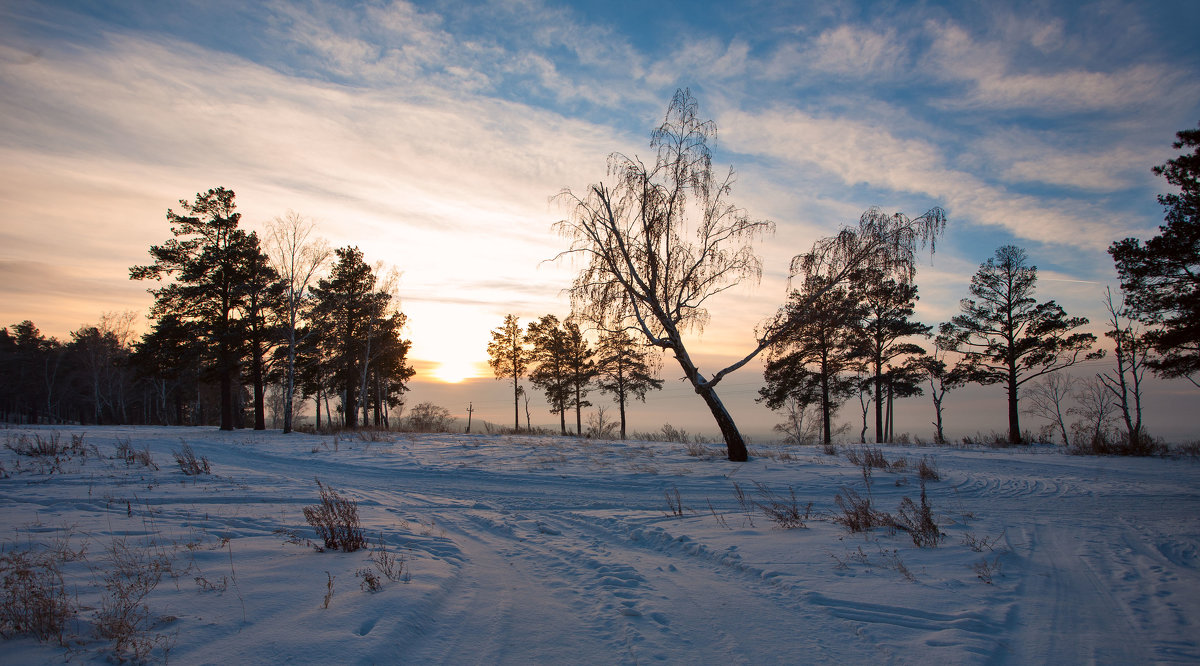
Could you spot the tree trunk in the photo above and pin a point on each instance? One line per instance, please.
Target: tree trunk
(735, 446)
(516, 404)
(256, 376)
(621, 406)
(1014, 415)
(226, 399)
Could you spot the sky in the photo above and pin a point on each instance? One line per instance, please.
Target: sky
(434, 136)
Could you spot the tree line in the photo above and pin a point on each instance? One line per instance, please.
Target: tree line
(661, 238)
(233, 315)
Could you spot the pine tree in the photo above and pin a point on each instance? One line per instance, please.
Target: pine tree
(581, 370)
(1007, 337)
(811, 363)
(552, 371)
(889, 305)
(1161, 279)
(510, 359)
(208, 259)
(625, 370)
(347, 310)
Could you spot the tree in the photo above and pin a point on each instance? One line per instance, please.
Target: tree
(942, 379)
(347, 311)
(889, 305)
(263, 296)
(625, 370)
(1007, 337)
(1047, 398)
(661, 241)
(101, 358)
(298, 259)
(581, 370)
(207, 258)
(1161, 279)
(813, 360)
(510, 359)
(1125, 381)
(552, 373)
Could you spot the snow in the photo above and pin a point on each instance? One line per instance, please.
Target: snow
(527, 549)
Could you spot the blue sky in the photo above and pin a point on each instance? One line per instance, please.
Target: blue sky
(433, 135)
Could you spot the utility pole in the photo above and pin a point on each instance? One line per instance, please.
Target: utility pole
(470, 410)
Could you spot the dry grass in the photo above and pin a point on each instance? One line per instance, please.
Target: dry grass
(189, 464)
(336, 521)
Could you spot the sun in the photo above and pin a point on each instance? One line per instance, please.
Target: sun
(453, 372)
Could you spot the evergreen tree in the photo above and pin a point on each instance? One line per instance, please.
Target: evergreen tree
(510, 359)
(1161, 279)
(625, 370)
(889, 305)
(812, 362)
(348, 309)
(581, 370)
(208, 259)
(552, 372)
(1006, 336)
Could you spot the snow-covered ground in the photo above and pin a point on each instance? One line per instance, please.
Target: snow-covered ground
(557, 550)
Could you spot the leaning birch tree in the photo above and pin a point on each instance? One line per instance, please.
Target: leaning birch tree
(660, 240)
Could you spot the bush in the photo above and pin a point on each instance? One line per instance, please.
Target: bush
(857, 514)
(189, 464)
(1116, 444)
(784, 511)
(35, 600)
(124, 617)
(927, 469)
(918, 521)
(428, 417)
(336, 521)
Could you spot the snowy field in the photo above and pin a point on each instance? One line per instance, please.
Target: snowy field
(554, 550)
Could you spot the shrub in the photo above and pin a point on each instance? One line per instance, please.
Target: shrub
(857, 514)
(867, 456)
(336, 521)
(428, 417)
(124, 617)
(189, 464)
(130, 455)
(389, 564)
(783, 511)
(927, 469)
(918, 521)
(35, 600)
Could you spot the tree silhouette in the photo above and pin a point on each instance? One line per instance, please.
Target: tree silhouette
(510, 359)
(811, 363)
(625, 370)
(1161, 279)
(348, 311)
(889, 305)
(208, 259)
(298, 259)
(1006, 336)
(552, 372)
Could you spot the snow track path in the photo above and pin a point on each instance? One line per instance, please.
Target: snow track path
(539, 550)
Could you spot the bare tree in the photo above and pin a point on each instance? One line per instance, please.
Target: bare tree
(1046, 398)
(664, 239)
(942, 379)
(297, 257)
(1125, 382)
(1098, 407)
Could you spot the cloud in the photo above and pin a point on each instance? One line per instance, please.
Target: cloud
(858, 153)
(997, 81)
